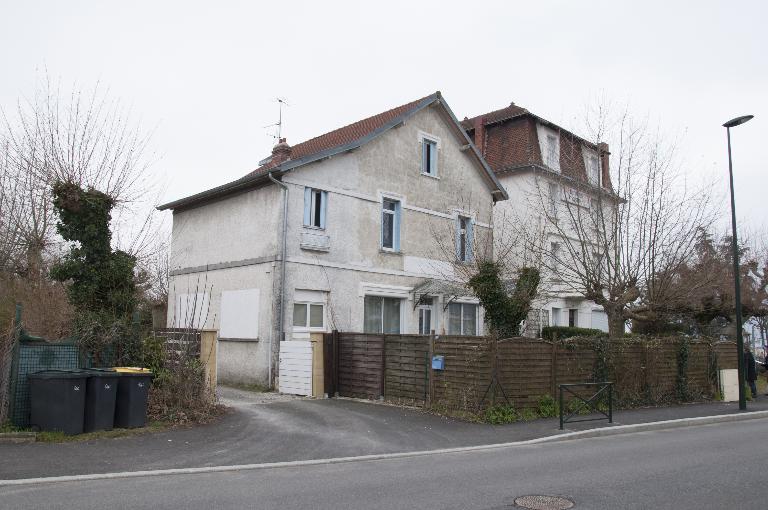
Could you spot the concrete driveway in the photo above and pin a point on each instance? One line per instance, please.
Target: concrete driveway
(272, 428)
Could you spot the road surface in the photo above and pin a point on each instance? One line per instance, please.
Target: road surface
(713, 466)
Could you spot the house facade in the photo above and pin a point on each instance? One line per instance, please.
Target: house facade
(557, 182)
(360, 229)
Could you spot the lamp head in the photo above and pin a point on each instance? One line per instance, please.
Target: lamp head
(738, 121)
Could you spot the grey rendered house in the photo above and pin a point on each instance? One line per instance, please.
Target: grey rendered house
(360, 229)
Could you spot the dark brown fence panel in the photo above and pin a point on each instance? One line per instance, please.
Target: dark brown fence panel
(406, 368)
(398, 368)
(575, 362)
(467, 374)
(525, 370)
(360, 366)
(698, 374)
(630, 371)
(726, 355)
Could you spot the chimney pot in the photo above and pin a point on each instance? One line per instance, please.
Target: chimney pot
(281, 152)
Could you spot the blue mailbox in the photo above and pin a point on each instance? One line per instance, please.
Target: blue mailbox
(438, 362)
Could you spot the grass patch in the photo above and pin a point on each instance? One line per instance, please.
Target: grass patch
(60, 437)
(8, 427)
(252, 387)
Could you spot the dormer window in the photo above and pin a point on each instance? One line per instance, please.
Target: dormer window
(549, 143)
(593, 170)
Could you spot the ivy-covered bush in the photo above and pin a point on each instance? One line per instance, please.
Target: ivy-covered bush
(101, 284)
(504, 310)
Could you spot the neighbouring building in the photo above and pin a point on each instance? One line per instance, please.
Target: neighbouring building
(548, 172)
(360, 229)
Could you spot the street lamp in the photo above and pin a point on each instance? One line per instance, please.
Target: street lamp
(739, 337)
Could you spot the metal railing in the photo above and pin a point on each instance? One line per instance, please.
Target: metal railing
(592, 403)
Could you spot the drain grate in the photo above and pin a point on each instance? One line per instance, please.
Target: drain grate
(544, 503)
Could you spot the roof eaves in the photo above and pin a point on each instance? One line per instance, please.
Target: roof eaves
(225, 189)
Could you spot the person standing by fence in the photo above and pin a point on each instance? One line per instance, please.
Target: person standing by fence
(750, 370)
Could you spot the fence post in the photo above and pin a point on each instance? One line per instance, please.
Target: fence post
(560, 406)
(335, 347)
(430, 371)
(553, 366)
(610, 403)
(208, 347)
(383, 380)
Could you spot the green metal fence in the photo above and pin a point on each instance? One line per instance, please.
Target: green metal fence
(33, 354)
(32, 357)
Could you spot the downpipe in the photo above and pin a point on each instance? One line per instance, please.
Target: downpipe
(283, 253)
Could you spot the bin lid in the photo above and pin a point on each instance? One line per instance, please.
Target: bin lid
(132, 370)
(101, 372)
(59, 374)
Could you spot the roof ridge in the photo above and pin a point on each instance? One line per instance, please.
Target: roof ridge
(347, 133)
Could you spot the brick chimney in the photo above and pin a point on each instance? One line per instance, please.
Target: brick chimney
(281, 152)
(604, 153)
(480, 134)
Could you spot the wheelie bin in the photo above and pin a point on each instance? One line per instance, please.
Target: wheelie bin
(132, 391)
(57, 400)
(100, 399)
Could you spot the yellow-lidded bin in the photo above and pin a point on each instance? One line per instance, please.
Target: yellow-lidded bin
(132, 393)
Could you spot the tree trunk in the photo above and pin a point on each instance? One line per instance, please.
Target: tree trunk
(616, 322)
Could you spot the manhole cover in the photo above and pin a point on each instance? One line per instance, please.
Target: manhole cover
(544, 502)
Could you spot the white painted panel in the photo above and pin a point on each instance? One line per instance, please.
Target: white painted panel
(240, 314)
(729, 384)
(432, 267)
(599, 320)
(191, 310)
(295, 367)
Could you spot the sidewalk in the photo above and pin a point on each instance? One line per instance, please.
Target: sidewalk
(272, 428)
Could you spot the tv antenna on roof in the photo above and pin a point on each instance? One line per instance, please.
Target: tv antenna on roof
(279, 124)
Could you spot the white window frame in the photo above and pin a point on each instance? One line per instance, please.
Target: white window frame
(401, 311)
(428, 142)
(462, 304)
(308, 327)
(573, 313)
(554, 195)
(396, 214)
(555, 249)
(593, 170)
(550, 152)
(317, 217)
(427, 308)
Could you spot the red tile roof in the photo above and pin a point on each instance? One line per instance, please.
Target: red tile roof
(342, 136)
(509, 112)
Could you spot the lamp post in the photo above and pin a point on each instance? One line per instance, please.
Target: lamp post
(737, 284)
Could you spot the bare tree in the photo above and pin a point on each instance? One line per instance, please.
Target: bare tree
(619, 242)
(80, 137)
(490, 259)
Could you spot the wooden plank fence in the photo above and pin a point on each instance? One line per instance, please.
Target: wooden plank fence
(398, 368)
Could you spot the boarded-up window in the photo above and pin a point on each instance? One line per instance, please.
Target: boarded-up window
(240, 314)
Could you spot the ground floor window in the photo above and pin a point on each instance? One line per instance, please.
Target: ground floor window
(309, 315)
(462, 319)
(382, 315)
(573, 317)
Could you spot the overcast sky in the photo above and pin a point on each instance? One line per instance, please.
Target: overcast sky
(205, 75)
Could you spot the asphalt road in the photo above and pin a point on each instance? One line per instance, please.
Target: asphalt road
(289, 429)
(714, 466)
